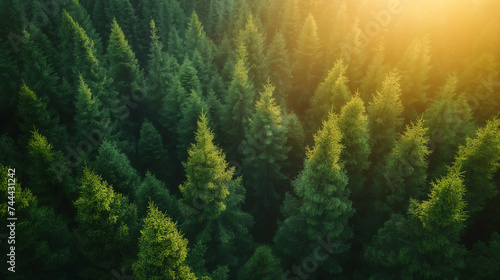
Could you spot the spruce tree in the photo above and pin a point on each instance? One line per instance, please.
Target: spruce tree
(306, 68)
(425, 243)
(384, 114)
(264, 154)
(449, 119)
(123, 66)
(330, 95)
(479, 158)
(261, 266)
(296, 143)
(321, 208)
(375, 71)
(150, 152)
(354, 54)
(189, 77)
(483, 259)
(152, 189)
(114, 166)
(278, 60)
(89, 114)
(162, 249)
(211, 201)
(353, 124)
(106, 222)
(290, 23)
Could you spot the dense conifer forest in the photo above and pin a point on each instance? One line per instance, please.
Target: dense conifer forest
(250, 139)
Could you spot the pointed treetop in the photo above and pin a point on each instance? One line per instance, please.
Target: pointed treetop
(327, 145)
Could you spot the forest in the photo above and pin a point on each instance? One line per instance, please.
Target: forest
(250, 139)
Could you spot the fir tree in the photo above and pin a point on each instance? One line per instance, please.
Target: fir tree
(162, 249)
(261, 266)
(150, 152)
(105, 224)
(322, 207)
(375, 71)
(89, 115)
(189, 77)
(211, 200)
(278, 60)
(152, 189)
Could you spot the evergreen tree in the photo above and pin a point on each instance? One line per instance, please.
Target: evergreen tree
(375, 71)
(449, 119)
(290, 23)
(211, 200)
(278, 60)
(261, 266)
(253, 40)
(80, 15)
(106, 222)
(405, 170)
(150, 152)
(238, 102)
(124, 68)
(353, 124)
(191, 109)
(115, 168)
(296, 143)
(264, 154)
(483, 259)
(425, 244)
(123, 13)
(89, 115)
(354, 54)
(322, 207)
(415, 66)
(152, 189)
(171, 110)
(384, 114)
(306, 70)
(189, 77)
(331, 95)
(480, 160)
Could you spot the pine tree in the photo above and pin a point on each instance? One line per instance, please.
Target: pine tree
(296, 143)
(191, 109)
(264, 153)
(354, 54)
(290, 23)
(211, 200)
(322, 208)
(449, 119)
(375, 71)
(238, 102)
(306, 70)
(89, 114)
(171, 110)
(124, 68)
(405, 170)
(124, 14)
(152, 189)
(49, 176)
(482, 260)
(189, 77)
(353, 124)
(278, 60)
(253, 40)
(384, 114)
(261, 266)
(415, 67)
(425, 244)
(150, 152)
(162, 249)
(114, 167)
(480, 159)
(331, 95)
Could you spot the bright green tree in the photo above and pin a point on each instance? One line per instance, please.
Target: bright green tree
(321, 208)
(480, 159)
(211, 201)
(261, 266)
(425, 243)
(89, 114)
(162, 249)
(106, 222)
(384, 114)
(353, 124)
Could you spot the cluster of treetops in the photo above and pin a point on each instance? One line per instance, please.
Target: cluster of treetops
(219, 139)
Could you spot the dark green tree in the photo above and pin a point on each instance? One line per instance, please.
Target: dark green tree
(278, 61)
(150, 152)
(483, 259)
(152, 189)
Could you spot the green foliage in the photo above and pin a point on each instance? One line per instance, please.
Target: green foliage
(114, 167)
(323, 207)
(353, 124)
(152, 189)
(105, 224)
(483, 259)
(211, 200)
(150, 152)
(89, 115)
(384, 114)
(480, 159)
(375, 71)
(162, 249)
(261, 266)
(331, 95)
(278, 60)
